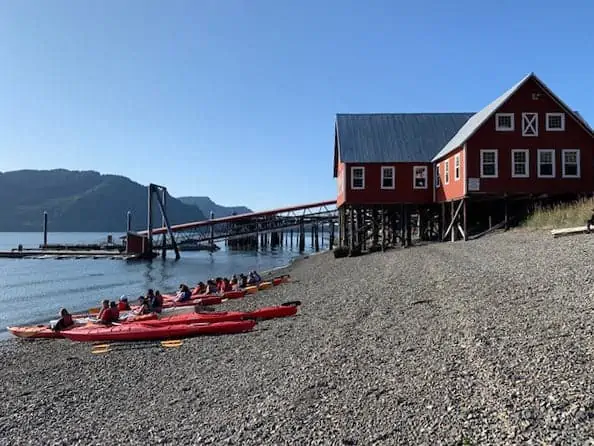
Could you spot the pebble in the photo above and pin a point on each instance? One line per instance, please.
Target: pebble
(481, 342)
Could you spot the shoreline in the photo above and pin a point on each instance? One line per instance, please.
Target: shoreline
(487, 341)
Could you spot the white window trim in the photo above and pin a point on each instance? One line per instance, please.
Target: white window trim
(393, 169)
(526, 163)
(577, 159)
(437, 177)
(540, 151)
(496, 175)
(353, 168)
(426, 177)
(524, 117)
(457, 168)
(446, 174)
(553, 129)
(504, 129)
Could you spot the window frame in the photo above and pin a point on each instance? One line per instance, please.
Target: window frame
(353, 168)
(554, 129)
(457, 167)
(426, 177)
(437, 177)
(526, 163)
(577, 160)
(391, 169)
(446, 174)
(553, 162)
(524, 118)
(496, 162)
(505, 129)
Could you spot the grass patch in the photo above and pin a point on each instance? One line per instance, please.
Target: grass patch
(564, 215)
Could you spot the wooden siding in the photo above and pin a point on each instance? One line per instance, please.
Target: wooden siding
(341, 184)
(573, 137)
(403, 192)
(454, 190)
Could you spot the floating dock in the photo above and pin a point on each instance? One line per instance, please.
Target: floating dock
(60, 254)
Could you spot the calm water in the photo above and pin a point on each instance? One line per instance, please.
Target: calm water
(33, 290)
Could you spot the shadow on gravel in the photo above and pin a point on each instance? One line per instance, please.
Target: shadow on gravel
(422, 301)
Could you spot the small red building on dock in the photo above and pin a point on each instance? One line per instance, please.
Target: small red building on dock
(525, 145)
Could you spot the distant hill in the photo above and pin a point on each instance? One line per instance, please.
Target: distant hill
(84, 201)
(206, 205)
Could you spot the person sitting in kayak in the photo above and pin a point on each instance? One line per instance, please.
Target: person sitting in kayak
(225, 286)
(143, 306)
(183, 294)
(234, 284)
(115, 313)
(243, 280)
(156, 303)
(200, 288)
(104, 316)
(65, 320)
(123, 304)
(254, 278)
(211, 287)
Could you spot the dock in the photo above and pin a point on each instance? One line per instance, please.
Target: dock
(60, 254)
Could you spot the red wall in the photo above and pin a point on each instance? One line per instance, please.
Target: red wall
(574, 137)
(455, 189)
(403, 192)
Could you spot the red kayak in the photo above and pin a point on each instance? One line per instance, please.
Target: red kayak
(220, 316)
(35, 332)
(143, 332)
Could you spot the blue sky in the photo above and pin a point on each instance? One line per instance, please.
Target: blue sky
(236, 99)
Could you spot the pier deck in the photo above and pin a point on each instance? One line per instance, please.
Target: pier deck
(65, 254)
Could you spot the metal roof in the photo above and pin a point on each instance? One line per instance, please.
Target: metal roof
(395, 137)
(477, 120)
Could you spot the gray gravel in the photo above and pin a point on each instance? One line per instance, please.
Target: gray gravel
(484, 342)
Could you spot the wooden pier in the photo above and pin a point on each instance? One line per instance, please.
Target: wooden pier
(60, 254)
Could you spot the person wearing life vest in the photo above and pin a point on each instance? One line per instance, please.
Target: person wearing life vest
(211, 287)
(104, 316)
(115, 313)
(226, 286)
(156, 303)
(65, 320)
(123, 304)
(199, 289)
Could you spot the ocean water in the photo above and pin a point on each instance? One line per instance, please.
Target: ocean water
(33, 290)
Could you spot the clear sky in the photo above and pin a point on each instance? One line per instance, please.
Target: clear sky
(237, 99)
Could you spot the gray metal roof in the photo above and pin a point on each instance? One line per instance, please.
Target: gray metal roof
(477, 120)
(395, 137)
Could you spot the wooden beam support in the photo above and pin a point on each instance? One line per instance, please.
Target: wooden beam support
(454, 216)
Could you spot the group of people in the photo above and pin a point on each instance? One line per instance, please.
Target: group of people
(153, 301)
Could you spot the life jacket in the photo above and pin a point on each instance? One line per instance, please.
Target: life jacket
(123, 306)
(67, 320)
(115, 314)
(105, 315)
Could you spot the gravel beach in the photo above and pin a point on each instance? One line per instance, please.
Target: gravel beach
(483, 342)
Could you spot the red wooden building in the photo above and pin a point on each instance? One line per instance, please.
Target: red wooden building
(527, 143)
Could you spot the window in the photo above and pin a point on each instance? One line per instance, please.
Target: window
(447, 172)
(437, 178)
(357, 177)
(520, 164)
(387, 177)
(529, 124)
(457, 167)
(571, 163)
(489, 164)
(420, 177)
(555, 122)
(546, 163)
(504, 122)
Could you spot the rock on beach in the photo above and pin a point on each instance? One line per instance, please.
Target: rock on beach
(483, 342)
